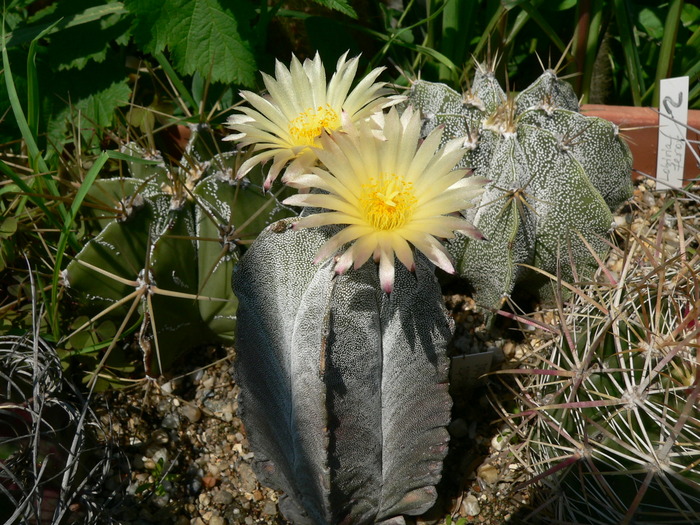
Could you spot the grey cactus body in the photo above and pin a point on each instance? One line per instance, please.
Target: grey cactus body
(343, 387)
(555, 177)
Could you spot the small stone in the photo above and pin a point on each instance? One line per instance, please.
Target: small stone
(191, 412)
(509, 349)
(217, 520)
(499, 442)
(269, 509)
(470, 506)
(488, 473)
(247, 477)
(198, 521)
(223, 497)
(171, 421)
(209, 481)
(160, 437)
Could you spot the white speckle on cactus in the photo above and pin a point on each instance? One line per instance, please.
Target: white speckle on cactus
(556, 177)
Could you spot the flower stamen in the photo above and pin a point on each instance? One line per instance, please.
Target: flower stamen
(309, 124)
(388, 203)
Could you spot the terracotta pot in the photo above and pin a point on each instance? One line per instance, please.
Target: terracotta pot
(640, 126)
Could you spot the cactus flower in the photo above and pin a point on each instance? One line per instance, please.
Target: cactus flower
(392, 193)
(285, 125)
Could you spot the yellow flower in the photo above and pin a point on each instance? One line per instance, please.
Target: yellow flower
(286, 125)
(391, 192)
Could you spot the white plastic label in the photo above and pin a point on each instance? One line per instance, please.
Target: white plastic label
(673, 120)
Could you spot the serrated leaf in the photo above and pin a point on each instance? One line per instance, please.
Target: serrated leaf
(339, 5)
(93, 93)
(203, 36)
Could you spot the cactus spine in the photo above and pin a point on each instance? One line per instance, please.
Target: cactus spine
(608, 409)
(169, 242)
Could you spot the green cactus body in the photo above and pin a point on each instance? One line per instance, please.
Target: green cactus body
(611, 419)
(169, 240)
(343, 387)
(555, 177)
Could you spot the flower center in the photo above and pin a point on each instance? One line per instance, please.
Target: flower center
(309, 125)
(389, 202)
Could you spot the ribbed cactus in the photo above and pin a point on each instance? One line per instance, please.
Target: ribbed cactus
(169, 243)
(343, 387)
(555, 176)
(608, 408)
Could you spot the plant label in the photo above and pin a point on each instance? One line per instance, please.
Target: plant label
(673, 121)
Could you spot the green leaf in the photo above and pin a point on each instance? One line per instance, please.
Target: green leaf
(339, 5)
(67, 18)
(8, 227)
(202, 35)
(93, 92)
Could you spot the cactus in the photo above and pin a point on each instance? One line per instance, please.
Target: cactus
(169, 241)
(608, 410)
(555, 177)
(343, 387)
(50, 453)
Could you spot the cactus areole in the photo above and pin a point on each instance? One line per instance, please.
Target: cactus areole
(555, 174)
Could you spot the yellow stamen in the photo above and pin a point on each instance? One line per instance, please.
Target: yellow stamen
(388, 203)
(309, 125)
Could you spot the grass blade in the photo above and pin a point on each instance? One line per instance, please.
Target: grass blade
(634, 67)
(668, 45)
(66, 233)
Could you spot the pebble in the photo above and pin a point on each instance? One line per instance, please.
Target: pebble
(160, 437)
(217, 520)
(223, 497)
(195, 486)
(171, 421)
(245, 474)
(499, 442)
(191, 412)
(488, 473)
(269, 509)
(470, 506)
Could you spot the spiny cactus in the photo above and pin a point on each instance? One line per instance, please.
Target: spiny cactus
(343, 387)
(555, 176)
(608, 411)
(50, 459)
(168, 245)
